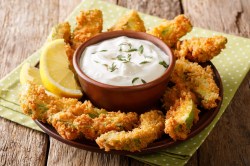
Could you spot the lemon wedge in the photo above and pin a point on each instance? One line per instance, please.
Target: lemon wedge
(29, 73)
(55, 73)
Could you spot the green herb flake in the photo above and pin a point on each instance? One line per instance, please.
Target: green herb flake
(141, 48)
(131, 50)
(113, 67)
(164, 64)
(96, 61)
(103, 51)
(144, 62)
(123, 58)
(106, 65)
(125, 43)
(99, 51)
(134, 79)
(120, 57)
(143, 81)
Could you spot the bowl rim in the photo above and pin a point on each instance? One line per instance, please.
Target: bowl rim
(132, 34)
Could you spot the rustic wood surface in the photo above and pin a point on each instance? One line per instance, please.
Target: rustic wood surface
(24, 27)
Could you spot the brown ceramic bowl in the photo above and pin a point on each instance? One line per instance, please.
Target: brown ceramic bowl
(136, 98)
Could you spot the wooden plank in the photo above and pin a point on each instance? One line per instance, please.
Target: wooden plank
(193, 160)
(62, 154)
(21, 145)
(220, 15)
(24, 27)
(167, 9)
(228, 143)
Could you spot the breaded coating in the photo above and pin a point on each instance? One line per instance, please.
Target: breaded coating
(171, 31)
(197, 79)
(63, 123)
(111, 121)
(71, 117)
(172, 94)
(89, 24)
(61, 31)
(150, 128)
(70, 53)
(36, 103)
(181, 117)
(200, 49)
(70, 126)
(130, 21)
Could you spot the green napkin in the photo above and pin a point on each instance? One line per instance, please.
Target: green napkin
(233, 64)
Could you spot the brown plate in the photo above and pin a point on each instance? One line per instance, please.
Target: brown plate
(205, 118)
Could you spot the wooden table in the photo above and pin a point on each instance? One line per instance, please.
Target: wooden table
(24, 27)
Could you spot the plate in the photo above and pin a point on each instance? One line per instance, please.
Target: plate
(205, 118)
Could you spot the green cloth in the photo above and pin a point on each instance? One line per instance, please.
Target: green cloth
(233, 64)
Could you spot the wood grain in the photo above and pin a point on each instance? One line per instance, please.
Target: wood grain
(21, 145)
(167, 9)
(62, 154)
(24, 27)
(220, 15)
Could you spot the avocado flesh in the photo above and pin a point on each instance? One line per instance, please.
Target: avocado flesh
(185, 115)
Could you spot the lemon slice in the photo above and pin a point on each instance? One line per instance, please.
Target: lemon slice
(29, 73)
(55, 73)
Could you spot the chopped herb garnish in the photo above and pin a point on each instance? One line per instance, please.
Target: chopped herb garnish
(131, 50)
(103, 50)
(125, 44)
(120, 57)
(106, 65)
(96, 62)
(112, 68)
(136, 78)
(143, 81)
(141, 49)
(164, 64)
(144, 62)
(99, 51)
(123, 58)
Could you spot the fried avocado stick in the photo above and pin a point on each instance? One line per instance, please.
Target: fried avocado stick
(150, 128)
(200, 49)
(111, 121)
(171, 31)
(36, 103)
(61, 31)
(130, 21)
(71, 127)
(197, 79)
(89, 24)
(172, 94)
(181, 117)
(70, 117)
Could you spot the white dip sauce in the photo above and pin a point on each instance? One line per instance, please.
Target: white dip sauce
(124, 61)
